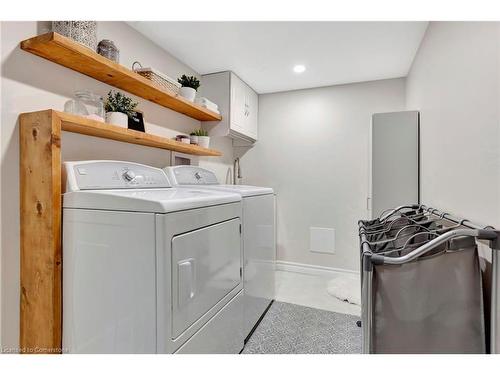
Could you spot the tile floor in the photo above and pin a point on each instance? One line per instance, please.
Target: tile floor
(294, 329)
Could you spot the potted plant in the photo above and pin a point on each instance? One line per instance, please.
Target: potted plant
(203, 139)
(189, 87)
(119, 108)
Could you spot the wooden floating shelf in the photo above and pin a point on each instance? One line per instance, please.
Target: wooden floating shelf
(77, 124)
(68, 53)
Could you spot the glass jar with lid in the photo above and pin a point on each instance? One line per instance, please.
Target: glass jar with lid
(86, 104)
(108, 49)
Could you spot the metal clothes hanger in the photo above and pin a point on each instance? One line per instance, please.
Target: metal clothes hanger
(395, 210)
(437, 232)
(391, 213)
(401, 248)
(384, 229)
(396, 237)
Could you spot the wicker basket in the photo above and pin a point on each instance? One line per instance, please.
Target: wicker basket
(158, 78)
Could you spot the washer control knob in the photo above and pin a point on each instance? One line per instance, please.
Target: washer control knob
(129, 175)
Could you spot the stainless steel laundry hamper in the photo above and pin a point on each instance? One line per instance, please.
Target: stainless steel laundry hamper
(426, 298)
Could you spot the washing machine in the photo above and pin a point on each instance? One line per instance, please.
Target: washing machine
(259, 236)
(149, 268)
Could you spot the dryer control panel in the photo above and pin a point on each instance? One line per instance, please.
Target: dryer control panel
(191, 175)
(107, 174)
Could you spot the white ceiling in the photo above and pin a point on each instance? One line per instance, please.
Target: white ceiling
(263, 53)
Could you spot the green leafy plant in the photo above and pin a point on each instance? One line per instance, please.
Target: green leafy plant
(191, 81)
(200, 133)
(117, 102)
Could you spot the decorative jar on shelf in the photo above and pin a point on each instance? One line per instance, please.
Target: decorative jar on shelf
(86, 104)
(193, 139)
(182, 138)
(83, 32)
(108, 49)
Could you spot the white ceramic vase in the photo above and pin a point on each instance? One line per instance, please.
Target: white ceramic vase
(118, 119)
(194, 139)
(203, 141)
(188, 93)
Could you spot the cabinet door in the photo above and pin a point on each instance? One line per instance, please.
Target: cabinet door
(252, 113)
(395, 160)
(238, 100)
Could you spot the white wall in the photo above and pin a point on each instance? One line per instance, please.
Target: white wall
(455, 83)
(313, 150)
(30, 83)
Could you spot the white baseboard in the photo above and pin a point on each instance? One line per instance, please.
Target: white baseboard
(310, 269)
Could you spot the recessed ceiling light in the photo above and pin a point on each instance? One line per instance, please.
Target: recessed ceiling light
(299, 68)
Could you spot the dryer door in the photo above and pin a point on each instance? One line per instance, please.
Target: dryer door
(205, 268)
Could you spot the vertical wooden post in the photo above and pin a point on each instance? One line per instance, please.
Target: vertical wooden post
(40, 196)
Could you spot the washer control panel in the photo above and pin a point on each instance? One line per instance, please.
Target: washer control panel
(105, 174)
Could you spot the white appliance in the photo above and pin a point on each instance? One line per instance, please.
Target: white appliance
(259, 240)
(149, 268)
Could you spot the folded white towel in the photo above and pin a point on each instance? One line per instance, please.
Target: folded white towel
(213, 109)
(210, 107)
(206, 103)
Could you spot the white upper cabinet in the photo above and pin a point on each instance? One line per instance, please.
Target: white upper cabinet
(238, 105)
(252, 112)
